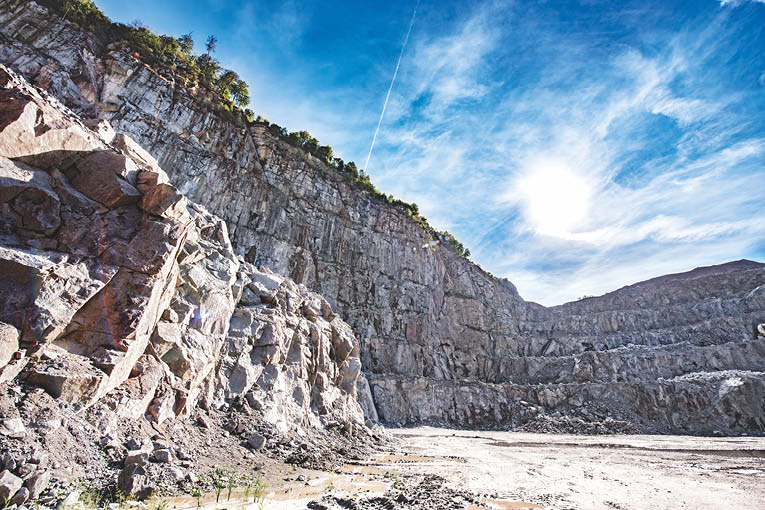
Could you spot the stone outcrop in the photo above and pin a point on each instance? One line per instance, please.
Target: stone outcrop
(440, 340)
(118, 290)
(287, 353)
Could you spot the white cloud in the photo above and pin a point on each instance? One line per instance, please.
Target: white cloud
(609, 271)
(449, 66)
(692, 199)
(734, 3)
(422, 153)
(284, 22)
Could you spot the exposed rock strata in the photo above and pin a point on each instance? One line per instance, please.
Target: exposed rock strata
(441, 340)
(121, 297)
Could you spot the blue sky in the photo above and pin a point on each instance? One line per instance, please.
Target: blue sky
(574, 147)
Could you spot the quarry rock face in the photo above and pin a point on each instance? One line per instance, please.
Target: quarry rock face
(440, 340)
(134, 299)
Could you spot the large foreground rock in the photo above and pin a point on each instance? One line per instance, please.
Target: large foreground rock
(86, 274)
(123, 295)
(10, 484)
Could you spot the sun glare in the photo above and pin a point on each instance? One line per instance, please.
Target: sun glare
(556, 199)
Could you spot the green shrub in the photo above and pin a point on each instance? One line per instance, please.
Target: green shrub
(451, 242)
(160, 51)
(82, 12)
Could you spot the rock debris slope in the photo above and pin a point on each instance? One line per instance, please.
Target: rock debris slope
(440, 340)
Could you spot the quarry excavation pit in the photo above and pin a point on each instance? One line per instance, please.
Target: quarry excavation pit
(144, 353)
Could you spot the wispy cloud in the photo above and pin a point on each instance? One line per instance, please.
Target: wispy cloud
(284, 22)
(390, 87)
(449, 67)
(595, 174)
(734, 3)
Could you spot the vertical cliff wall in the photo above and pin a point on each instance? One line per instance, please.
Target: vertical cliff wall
(441, 340)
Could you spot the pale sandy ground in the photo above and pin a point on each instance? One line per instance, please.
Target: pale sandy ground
(550, 471)
(600, 472)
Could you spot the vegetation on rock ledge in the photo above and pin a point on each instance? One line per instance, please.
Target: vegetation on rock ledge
(175, 56)
(160, 51)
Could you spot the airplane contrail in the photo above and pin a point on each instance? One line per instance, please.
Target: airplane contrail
(392, 81)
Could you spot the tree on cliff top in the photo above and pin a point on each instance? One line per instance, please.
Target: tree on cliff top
(232, 88)
(187, 43)
(241, 94)
(211, 42)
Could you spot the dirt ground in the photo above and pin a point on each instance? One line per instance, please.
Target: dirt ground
(509, 470)
(596, 472)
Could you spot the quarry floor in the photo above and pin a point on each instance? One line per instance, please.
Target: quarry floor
(597, 472)
(509, 470)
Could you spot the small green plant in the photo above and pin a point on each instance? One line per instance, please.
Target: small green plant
(258, 488)
(218, 487)
(249, 483)
(197, 494)
(230, 484)
(90, 495)
(217, 480)
(121, 498)
(221, 479)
